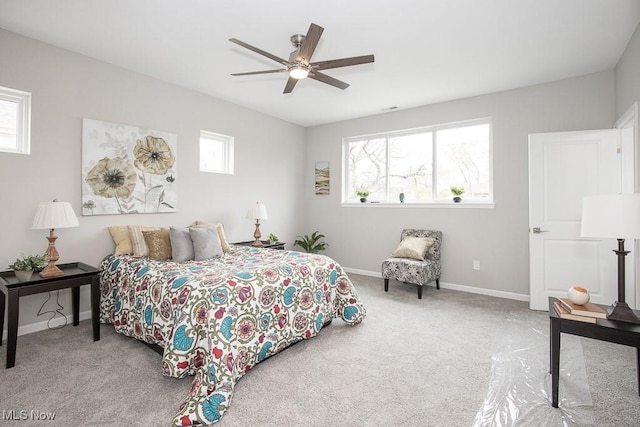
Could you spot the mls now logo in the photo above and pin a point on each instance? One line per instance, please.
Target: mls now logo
(23, 415)
(15, 415)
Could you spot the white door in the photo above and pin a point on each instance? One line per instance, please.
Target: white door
(563, 168)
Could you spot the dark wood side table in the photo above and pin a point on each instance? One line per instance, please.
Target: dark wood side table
(603, 330)
(265, 244)
(75, 274)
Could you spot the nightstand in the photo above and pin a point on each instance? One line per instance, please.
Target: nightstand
(265, 243)
(75, 275)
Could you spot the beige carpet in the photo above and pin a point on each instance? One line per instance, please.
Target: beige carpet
(411, 362)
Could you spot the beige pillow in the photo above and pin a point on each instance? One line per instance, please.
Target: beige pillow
(137, 240)
(158, 242)
(220, 229)
(413, 247)
(120, 236)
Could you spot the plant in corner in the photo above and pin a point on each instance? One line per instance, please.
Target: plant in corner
(273, 239)
(363, 194)
(23, 267)
(457, 192)
(312, 244)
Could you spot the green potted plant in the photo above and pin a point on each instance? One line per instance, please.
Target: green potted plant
(23, 267)
(312, 244)
(273, 239)
(457, 192)
(363, 194)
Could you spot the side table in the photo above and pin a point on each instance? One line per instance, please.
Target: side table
(75, 275)
(603, 330)
(265, 244)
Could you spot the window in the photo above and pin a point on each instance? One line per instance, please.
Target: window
(216, 153)
(15, 121)
(421, 163)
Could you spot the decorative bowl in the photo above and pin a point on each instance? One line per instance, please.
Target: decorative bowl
(578, 295)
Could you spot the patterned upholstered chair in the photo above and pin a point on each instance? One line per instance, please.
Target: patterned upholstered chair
(419, 272)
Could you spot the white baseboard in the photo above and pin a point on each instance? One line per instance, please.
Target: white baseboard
(453, 286)
(41, 326)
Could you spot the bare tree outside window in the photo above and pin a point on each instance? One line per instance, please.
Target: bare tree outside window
(422, 164)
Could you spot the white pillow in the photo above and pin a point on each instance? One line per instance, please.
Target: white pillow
(413, 247)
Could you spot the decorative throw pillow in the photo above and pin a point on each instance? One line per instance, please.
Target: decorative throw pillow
(413, 247)
(219, 228)
(120, 236)
(181, 244)
(137, 240)
(206, 243)
(158, 242)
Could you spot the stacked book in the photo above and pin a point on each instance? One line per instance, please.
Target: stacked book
(583, 313)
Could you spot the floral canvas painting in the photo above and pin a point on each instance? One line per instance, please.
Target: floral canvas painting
(127, 169)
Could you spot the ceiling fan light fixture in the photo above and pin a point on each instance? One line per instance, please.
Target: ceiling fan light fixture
(298, 71)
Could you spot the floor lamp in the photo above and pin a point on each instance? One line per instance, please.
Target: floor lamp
(614, 216)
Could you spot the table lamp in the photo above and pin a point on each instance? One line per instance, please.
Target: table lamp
(52, 215)
(257, 212)
(614, 216)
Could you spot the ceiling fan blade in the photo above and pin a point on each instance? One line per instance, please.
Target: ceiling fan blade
(259, 51)
(344, 62)
(291, 83)
(310, 42)
(321, 77)
(259, 72)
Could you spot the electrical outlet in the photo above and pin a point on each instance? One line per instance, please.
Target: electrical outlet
(476, 265)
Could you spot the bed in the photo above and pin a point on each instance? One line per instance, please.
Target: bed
(219, 317)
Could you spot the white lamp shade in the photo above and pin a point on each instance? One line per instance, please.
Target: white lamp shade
(54, 215)
(611, 216)
(257, 211)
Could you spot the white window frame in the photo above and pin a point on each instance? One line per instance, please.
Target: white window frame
(23, 119)
(467, 203)
(228, 149)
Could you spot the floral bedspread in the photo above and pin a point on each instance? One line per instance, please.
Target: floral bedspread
(219, 317)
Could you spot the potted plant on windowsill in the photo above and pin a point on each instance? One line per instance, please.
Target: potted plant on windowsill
(457, 193)
(363, 194)
(23, 267)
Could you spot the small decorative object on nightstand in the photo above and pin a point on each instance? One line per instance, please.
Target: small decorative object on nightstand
(23, 267)
(578, 295)
(51, 215)
(257, 212)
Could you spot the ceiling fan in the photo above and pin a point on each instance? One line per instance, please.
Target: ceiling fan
(299, 65)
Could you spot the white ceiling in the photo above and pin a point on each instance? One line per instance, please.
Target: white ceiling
(426, 51)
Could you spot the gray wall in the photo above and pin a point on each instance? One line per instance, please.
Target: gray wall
(65, 87)
(627, 74)
(361, 237)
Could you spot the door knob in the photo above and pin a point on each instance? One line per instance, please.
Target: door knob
(536, 230)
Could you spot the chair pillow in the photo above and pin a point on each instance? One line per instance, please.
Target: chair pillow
(206, 243)
(181, 244)
(158, 243)
(413, 247)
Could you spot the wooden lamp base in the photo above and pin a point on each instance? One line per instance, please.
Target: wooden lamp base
(52, 270)
(257, 235)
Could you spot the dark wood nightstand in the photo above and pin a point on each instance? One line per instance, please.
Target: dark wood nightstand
(265, 243)
(75, 275)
